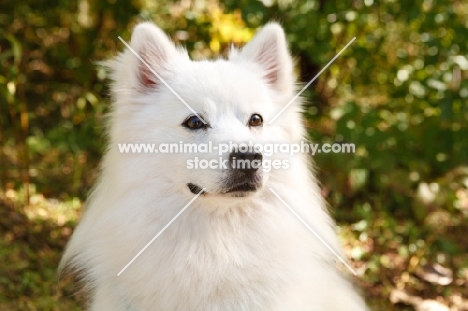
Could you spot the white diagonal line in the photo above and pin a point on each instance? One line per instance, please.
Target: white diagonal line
(160, 232)
(313, 231)
(159, 77)
(311, 81)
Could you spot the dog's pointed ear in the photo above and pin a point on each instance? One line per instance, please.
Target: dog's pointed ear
(269, 50)
(155, 52)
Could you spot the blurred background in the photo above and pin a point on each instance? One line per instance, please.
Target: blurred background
(399, 93)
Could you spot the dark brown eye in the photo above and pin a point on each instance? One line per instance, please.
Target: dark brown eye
(256, 120)
(194, 123)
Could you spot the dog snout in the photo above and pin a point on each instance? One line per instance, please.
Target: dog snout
(245, 162)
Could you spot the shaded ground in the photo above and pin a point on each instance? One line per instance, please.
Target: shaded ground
(31, 242)
(393, 274)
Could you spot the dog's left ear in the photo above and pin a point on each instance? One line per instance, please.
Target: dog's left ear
(269, 50)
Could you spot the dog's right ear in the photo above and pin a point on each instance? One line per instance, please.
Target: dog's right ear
(155, 52)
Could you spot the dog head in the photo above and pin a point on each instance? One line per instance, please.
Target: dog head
(164, 98)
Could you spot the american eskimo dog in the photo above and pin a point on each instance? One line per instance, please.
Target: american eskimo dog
(237, 246)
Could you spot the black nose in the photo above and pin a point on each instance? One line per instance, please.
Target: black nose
(246, 162)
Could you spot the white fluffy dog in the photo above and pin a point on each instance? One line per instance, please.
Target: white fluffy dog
(237, 246)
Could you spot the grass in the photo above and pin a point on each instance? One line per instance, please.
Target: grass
(33, 239)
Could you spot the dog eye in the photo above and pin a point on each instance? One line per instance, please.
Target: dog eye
(193, 123)
(256, 120)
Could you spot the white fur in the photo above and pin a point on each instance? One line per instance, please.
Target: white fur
(222, 253)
